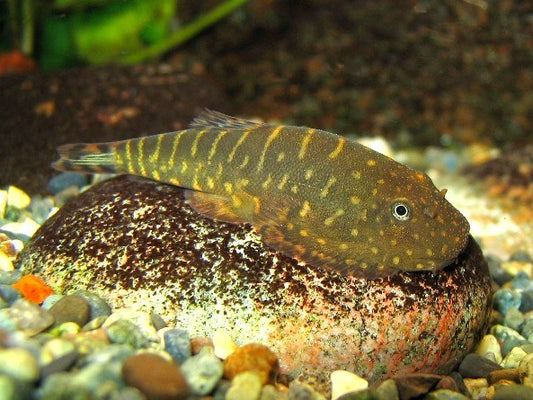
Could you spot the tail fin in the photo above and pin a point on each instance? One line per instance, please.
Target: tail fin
(97, 158)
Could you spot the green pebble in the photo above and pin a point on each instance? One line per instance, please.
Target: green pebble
(19, 364)
(445, 394)
(8, 388)
(126, 332)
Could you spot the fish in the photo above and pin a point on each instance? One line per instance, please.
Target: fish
(312, 195)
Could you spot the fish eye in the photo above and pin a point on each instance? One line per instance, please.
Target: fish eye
(401, 211)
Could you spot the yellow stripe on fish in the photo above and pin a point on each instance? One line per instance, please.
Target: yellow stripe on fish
(313, 195)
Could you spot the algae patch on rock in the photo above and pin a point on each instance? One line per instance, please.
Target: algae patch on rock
(137, 244)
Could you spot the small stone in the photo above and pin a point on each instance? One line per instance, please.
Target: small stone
(221, 390)
(415, 385)
(477, 387)
(26, 317)
(157, 321)
(41, 208)
(387, 390)
(246, 385)
(59, 364)
(124, 331)
(513, 392)
(526, 330)
(504, 299)
(142, 321)
(177, 344)
(19, 364)
(269, 392)
(5, 262)
(155, 377)
(8, 388)
(345, 382)
(3, 203)
(108, 354)
(509, 337)
(513, 359)
(65, 195)
(203, 371)
(98, 306)
(476, 366)
(526, 369)
(513, 375)
(526, 304)
(71, 308)
(55, 348)
(223, 344)
(17, 198)
(521, 281)
(521, 255)
(300, 391)
(65, 180)
(445, 394)
(93, 324)
(500, 275)
(66, 328)
(489, 345)
(513, 319)
(198, 343)
(9, 293)
(255, 358)
(10, 277)
(51, 300)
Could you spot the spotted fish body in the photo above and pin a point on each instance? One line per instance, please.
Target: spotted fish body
(313, 195)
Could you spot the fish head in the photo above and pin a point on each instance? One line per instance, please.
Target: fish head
(419, 229)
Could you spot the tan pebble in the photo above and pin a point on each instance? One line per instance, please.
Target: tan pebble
(254, 358)
(477, 387)
(489, 344)
(198, 343)
(343, 382)
(526, 369)
(5, 262)
(269, 392)
(17, 198)
(3, 203)
(246, 385)
(512, 375)
(512, 360)
(223, 344)
(27, 227)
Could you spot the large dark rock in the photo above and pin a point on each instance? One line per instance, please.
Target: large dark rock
(135, 243)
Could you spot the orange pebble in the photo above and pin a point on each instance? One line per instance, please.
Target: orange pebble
(254, 358)
(33, 288)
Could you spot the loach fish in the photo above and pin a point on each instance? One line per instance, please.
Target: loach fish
(313, 195)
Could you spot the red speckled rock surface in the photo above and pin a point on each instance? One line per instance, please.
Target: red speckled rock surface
(136, 244)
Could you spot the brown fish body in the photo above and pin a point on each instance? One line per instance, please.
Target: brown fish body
(313, 195)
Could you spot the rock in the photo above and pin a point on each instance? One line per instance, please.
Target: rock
(19, 364)
(223, 344)
(8, 388)
(3, 204)
(177, 344)
(55, 348)
(513, 359)
(527, 301)
(65, 180)
(522, 281)
(59, 364)
(141, 320)
(444, 394)
(512, 375)
(476, 366)
(500, 275)
(504, 299)
(269, 392)
(477, 387)
(26, 317)
(5, 262)
(209, 275)
(155, 377)
(415, 385)
(254, 358)
(246, 385)
(509, 337)
(490, 345)
(526, 369)
(513, 319)
(513, 392)
(70, 308)
(98, 307)
(203, 371)
(343, 382)
(299, 391)
(198, 343)
(124, 331)
(9, 277)
(387, 390)
(17, 198)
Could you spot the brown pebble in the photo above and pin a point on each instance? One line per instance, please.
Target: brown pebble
(510, 375)
(198, 343)
(416, 385)
(255, 358)
(155, 377)
(447, 382)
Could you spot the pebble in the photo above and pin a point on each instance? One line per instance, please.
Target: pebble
(513, 392)
(198, 343)
(178, 344)
(513, 319)
(140, 319)
(255, 358)
(521, 281)
(42, 208)
(526, 304)
(71, 308)
(155, 377)
(513, 359)
(508, 375)
(59, 364)
(19, 364)
(344, 382)
(10, 277)
(21, 230)
(445, 394)
(98, 307)
(17, 198)
(387, 390)
(269, 392)
(9, 293)
(124, 331)
(476, 366)
(509, 337)
(203, 371)
(8, 388)
(504, 299)
(526, 369)
(489, 347)
(246, 385)
(301, 391)
(223, 344)
(3, 203)
(477, 387)
(26, 317)
(496, 270)
(65, 180)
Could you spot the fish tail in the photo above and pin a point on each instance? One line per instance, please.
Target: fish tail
(96, 158)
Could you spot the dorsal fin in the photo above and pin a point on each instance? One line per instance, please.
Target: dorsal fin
(214, 119)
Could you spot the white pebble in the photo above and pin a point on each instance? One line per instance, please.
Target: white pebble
(343, 382)
(489, 344)
(17, 198)
(5, 262)
(224, 344)
(27, 227)
(512, 360)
